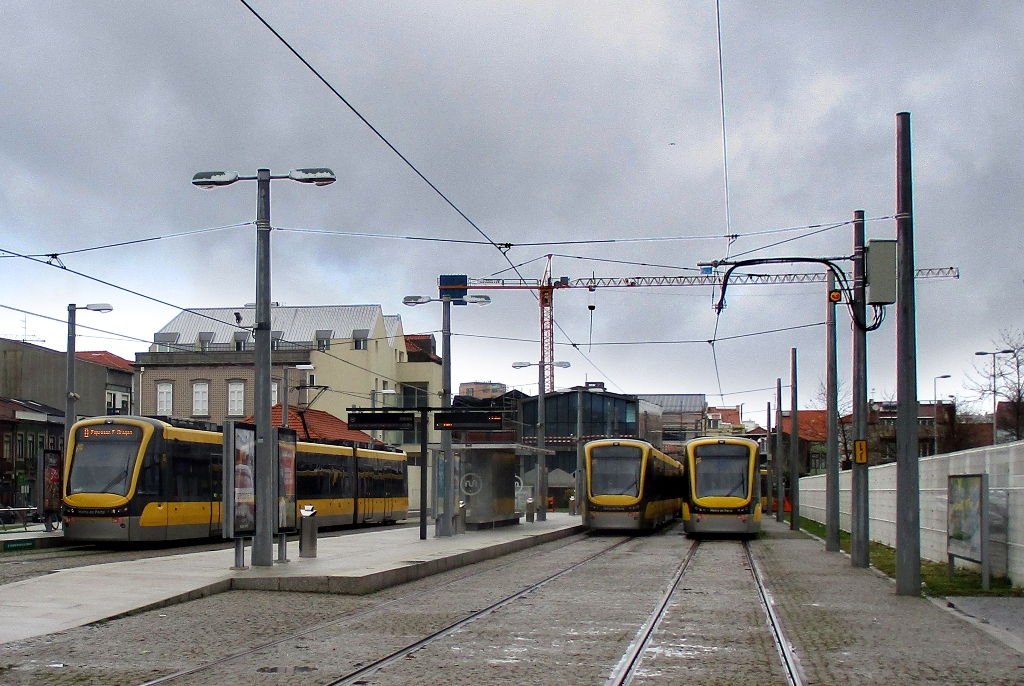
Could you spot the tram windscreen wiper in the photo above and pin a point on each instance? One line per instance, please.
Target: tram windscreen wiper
(116, 479)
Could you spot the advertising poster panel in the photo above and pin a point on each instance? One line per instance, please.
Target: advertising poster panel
(239, 504)
(286, 504)
(964, 525)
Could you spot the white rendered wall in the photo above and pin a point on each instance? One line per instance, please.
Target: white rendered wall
(1005, 466)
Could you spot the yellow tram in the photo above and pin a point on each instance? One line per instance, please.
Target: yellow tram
(631, 485)
(141, 479)
(722, 486)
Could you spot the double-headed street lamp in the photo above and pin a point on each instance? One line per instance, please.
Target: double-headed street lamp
(935, 413)
(542, 462)
(445, 525)
(263, 541)
(995, 397)
(71, 396)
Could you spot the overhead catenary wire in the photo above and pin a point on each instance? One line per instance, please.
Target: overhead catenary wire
(650, 342)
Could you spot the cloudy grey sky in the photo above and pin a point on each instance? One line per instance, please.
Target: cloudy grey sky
(541, 121)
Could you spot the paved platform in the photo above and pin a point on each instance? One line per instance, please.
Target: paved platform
(357, 563)
(30, 538)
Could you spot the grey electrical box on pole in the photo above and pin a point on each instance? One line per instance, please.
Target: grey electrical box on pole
(880, 271)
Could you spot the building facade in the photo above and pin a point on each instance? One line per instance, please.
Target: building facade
(201, 364)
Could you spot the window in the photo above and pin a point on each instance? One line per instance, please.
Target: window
(236, 398)
(200, 399)
(359, 344)
(273, 393)
(164, 398)
(615, 470)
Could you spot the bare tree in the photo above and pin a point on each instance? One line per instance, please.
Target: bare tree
(1008, 372)
(845, 401)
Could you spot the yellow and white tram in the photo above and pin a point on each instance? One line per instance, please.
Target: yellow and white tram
(631, 485)
(141, 479)
(722, 486)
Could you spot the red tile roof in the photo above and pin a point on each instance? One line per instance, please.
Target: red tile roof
(316, 425)
(730, 415)
(107, 359)
(813, 424)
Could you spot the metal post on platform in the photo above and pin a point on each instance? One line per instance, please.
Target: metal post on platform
(424, 417)
(908, 493)
(771, 459)
(859, 522)
(239, 553)
(794, 448)
(780, 488)
(832, 436)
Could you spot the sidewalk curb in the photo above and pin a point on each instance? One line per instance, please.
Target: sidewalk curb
(1004, 637)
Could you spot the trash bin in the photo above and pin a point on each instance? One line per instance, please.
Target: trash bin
(307, 532)
(572, 505)
(529, 510)
(460, 518)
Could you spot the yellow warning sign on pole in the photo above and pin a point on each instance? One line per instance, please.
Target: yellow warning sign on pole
(860, 452)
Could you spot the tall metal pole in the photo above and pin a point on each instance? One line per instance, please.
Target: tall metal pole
(832, 438)
(908, 496)
(424, 416)
(542, 463)
(771, 458)
(284, 398)
(580, 457)
(780, 488)
(446, 521)
(263, 543)
(69, 399)
(860, 522)
(995, 403)
(794, 447)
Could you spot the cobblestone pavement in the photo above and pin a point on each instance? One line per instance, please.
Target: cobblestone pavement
(847, 625)
(134, 649)
(714, 630)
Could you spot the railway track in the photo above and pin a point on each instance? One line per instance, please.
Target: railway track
(629, 667)
(363, 670)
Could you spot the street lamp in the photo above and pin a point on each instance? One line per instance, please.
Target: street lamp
(935, 413)
(445, 525)
(71, 396)
(263, 541)
(542, 477)
(995, 398)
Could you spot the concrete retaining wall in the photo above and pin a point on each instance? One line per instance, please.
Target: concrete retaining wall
(1005, 466)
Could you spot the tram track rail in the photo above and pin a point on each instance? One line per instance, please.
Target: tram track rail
(364, 670)
(628, 666)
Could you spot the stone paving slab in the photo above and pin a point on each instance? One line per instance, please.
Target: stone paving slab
(847, 625)
(357, 563)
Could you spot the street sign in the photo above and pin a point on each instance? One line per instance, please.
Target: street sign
(860, 452)
(467, 421)
(389, 421)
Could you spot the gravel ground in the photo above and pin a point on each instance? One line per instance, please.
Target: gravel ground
(847, 625)
(715, 629)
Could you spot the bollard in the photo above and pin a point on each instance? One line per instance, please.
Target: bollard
(282, 549)
(307, 532)
(572, 505)
(460, 519)
(529, 510)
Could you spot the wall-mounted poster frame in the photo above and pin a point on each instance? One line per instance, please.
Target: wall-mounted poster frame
(284, 440)
(967, 522)
(239, 507)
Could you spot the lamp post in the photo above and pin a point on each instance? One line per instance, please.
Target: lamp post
(995, 398)
(70, 397)
(263, 544)
(542, 477)
(935, 413)
(445, 524)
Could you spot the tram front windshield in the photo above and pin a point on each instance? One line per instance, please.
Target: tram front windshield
(615, 470)
(104, 459)
(721, 470)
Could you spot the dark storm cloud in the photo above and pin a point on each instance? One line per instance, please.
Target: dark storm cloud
(541, 122)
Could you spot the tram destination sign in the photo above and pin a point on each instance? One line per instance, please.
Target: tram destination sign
(388, 421)
(468, 421)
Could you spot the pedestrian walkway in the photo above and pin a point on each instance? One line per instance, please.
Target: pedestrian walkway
(31, 537)
(847, 625)
(357, 563)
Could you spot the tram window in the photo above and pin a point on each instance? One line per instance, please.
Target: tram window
(190, 468)
(722, 470)
(104, 459)
(615, 470)
(149, 477)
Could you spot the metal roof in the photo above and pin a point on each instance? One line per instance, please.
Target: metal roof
(297, 324)
(391, 324)
(677, 402)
